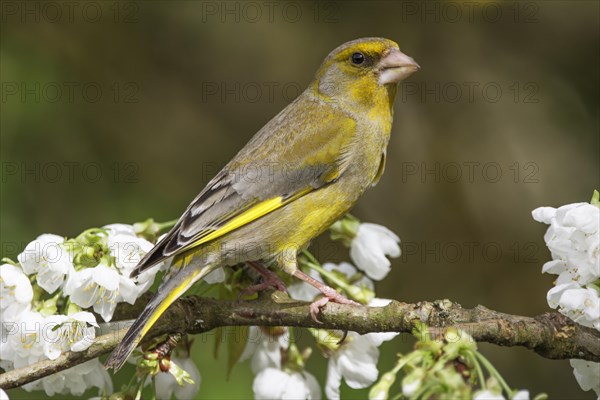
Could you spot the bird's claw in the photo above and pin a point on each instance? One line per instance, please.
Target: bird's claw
(329, 295)
(270, 280)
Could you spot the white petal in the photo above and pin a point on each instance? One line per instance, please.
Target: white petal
(106, 277)
(357, 363)
(267, 355)
(379, 231)
(270, 384)
(81, 289)
(301, 385)
(334, 380)
(37, 253)
(164, 384)
(379, 302)
(252, 342)
(375, 265)
(188, 390)
(85, 316)
(314, 389)
(573, 299)
(521, 395)
(120, 229)
(554, 294)
(554, 267)
(302, 291)
(587, 374)
(85, 342)
(544, 214)
(216, 276)
(106, 308)
(12, 276)
(585, 218)
(488, 395)
(128, 290)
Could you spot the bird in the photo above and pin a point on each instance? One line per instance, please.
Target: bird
(297, 175)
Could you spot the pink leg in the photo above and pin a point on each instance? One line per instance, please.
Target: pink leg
(270, 280)
(330, 294)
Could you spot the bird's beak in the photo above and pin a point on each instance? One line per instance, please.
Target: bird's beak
(396, 66)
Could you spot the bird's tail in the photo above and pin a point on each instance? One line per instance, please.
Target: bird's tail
(166, 294)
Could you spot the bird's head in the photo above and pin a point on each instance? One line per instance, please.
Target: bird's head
(364, 72)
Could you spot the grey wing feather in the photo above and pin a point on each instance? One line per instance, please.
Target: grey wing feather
(239, 186)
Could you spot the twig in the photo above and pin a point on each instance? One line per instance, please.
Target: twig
(551, 335)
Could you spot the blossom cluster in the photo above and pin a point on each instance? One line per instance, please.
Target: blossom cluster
(573, 239)
(279, 366)
(276, 361)
(48, 296)
(446, 367)
(61, 290)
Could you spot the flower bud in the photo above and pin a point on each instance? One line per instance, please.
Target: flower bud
(344, 230)
(147, 229)
(380, 391)
(412, 382)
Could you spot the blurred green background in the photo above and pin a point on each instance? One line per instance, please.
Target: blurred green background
(119, 111)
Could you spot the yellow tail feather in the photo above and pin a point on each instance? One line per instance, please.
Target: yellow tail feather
(167, 293)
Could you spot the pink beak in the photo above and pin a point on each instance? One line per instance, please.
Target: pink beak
(396, 66)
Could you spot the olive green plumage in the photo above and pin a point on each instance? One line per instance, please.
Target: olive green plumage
(300, 173)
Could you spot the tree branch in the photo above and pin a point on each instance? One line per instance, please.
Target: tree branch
(551, 335)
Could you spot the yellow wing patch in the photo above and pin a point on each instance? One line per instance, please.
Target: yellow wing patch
(253, 213)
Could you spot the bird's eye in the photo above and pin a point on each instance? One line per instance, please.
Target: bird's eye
(357, 58)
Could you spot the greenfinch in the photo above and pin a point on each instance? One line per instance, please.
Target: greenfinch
(299, 174)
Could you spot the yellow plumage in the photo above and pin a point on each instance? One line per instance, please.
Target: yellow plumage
(300, 173)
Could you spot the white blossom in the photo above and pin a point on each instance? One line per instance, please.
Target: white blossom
(16, 293)
(412, 382)
(75, 380)
(23, 342)
(574, 241)
(582, 305)
(105, 285)
(587, 374)
(273, 383)
(119, 229)
(74, 333)
(264, 349)
(166, 385)
(370, 248)
(98, 287)
(356, 359)
(488, 395)
(521, 395)
(35, 338)
(49, 259)
(128, 251)
(3, 395)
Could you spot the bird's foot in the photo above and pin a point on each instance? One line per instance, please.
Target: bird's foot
(270, 280)
(329, 293)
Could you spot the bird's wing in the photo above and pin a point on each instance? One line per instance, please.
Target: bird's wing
(299, 151)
